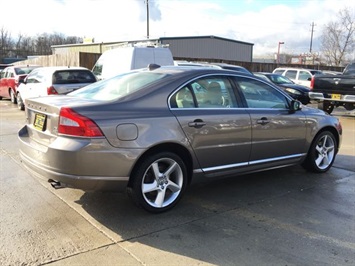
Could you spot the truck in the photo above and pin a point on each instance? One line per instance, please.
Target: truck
(332, 91)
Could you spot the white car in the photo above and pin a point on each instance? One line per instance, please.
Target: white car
(45, 81)
(300, 76)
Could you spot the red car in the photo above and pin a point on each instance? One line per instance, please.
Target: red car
(10, 79)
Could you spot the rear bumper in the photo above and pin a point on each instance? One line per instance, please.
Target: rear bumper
(87, 183)
(321, 97)
(81, 164)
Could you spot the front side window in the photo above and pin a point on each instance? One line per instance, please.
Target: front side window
(33, 77)
(260, 95)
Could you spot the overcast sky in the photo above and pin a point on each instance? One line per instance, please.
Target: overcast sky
(264, 23)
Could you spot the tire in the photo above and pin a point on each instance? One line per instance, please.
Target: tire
(13, 97)
(159, 182)
(20, 104)
(326, 107)
(321, 154)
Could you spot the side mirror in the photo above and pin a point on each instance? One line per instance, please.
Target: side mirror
(295, 106)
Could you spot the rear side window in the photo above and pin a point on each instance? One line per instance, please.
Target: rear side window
(292, 74)
(279, 71)
(73, 76)
(211, 92)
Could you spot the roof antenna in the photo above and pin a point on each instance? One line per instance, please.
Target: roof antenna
(153, 66)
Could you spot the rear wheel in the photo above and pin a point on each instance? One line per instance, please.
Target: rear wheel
(13, 96)
(20, 104)
(321, 154)
(326, 106)
(159, 182)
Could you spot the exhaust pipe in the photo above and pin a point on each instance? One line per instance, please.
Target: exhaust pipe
(55, 184)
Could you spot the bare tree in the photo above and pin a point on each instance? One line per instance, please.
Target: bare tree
(25, 46)
(338, 38)
(6, 43)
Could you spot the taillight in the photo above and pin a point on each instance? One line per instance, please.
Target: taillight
(312, 83)
(74, 124)
(51, 90)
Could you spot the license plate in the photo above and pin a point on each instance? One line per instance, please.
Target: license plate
(40, 122)
(336, 96)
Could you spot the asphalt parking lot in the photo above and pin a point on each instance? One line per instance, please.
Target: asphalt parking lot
(281, 217)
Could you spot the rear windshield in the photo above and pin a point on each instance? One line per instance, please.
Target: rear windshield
(23, 70)
(118, 86)
(73, 76)
(316, 72)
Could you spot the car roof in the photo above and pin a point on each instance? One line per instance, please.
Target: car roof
(196, 69)
(297, 68)
(52, 69)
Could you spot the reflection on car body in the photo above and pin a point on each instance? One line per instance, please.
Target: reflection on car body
(151, 132)
(296, 91)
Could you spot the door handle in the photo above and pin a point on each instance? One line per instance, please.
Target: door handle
(263, 121)
(198, 123)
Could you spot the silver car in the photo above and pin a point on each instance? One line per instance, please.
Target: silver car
(151, 131)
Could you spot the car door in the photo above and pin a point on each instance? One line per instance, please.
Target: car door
(218, 131)
(2, 82)
(4, 88)
(34, 85)
(277, 133)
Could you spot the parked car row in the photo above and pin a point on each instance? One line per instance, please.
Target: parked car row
(19, 83)
(53, 80)
(10, 79)
(15, 84)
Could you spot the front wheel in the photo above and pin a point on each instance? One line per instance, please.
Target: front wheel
(159, 182)
(321, 154)
(13, 96)
(20, 104)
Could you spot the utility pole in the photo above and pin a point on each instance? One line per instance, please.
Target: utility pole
(278, 52)
(310, 46)
(147, 2)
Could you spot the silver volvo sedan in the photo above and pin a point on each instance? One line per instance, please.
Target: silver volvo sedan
(150, 131)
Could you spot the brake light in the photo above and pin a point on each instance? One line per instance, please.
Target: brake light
(73, 124)
(51, 90)
(312, 83)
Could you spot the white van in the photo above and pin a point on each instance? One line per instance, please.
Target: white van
(119, 60)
